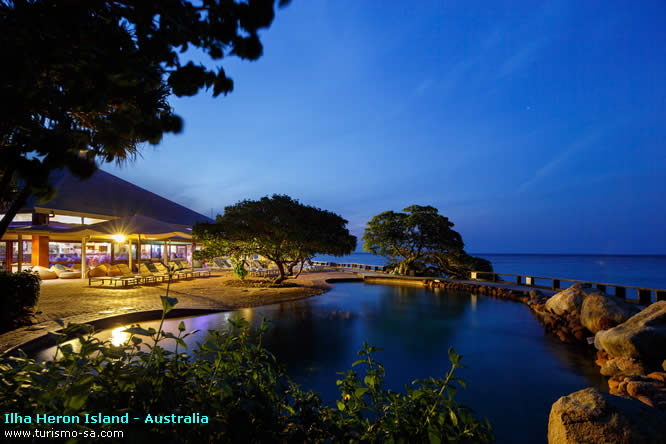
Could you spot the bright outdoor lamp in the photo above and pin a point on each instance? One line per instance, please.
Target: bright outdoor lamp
(118, 238)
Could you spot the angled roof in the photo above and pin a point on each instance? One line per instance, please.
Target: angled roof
(131, 227)
(104, 194)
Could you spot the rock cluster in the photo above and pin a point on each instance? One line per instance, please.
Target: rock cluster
(631, 347)
(600, 311)
(632, 355)
(487, 290)
(592, 416)
(649, 389)
(642, 337)
(561, 314)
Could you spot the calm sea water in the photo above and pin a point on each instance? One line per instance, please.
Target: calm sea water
(638, 271)
(514, 373)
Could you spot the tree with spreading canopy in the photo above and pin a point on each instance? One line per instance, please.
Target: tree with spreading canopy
(418, 241)
(279, 228)
(87, 82)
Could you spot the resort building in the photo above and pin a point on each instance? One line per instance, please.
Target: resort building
(65, 228)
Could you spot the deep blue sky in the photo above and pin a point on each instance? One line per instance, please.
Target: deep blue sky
(535, 127)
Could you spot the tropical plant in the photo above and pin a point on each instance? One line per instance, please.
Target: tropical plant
(232, 381)
(239, 270)
(19, 292)
(88, 82)
(419, 241)
(279, 228)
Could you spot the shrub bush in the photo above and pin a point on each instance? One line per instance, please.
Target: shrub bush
(232, 380)
(19, 292)
(240, 271)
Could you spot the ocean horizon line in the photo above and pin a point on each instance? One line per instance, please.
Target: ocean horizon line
(551, 254)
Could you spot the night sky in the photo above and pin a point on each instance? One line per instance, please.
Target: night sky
(535, 127)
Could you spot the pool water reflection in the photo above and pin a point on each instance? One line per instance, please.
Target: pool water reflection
(514, 371)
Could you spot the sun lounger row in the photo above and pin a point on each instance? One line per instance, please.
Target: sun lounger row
(181, 267)
(148, 273)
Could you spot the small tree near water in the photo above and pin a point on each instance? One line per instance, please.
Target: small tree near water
(280, 228)
(420, 241)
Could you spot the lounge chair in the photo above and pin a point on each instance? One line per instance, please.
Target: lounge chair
(128, 278)
(256, 268)
(149, 276)
(64, 272)
(175, 272)
(184, 266)
(221, 264)
(153, 269)
(199, 271)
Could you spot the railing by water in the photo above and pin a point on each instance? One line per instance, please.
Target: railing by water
(644, 296)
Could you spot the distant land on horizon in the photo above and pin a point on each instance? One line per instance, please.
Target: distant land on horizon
(553, 254)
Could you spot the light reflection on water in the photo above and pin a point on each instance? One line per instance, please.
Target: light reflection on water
(514, 370)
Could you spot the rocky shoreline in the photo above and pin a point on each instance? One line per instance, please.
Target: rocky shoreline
(631, 351)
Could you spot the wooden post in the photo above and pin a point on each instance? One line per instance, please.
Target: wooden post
(601, 287)
(556, 284)
(83, 258)
(165, 254)
(661, 295)
(644, 297)
(129, 256)
(40, 251)
(9, 252)
(620, 292)
(138, 251)
(519, 280)
(113, 252)
(20, 253)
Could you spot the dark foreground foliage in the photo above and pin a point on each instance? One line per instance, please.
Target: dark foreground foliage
(19, 292)
(236, 383)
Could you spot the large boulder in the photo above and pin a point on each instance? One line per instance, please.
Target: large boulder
(590, 416)
(600, 311)
(643, 336)
(569, 299)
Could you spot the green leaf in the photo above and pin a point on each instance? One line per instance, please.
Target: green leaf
(360, 361)
(137, 331)
(454, 418)
(341, 405)
(168, 303)
(433, 435)
(181, 326)
(360, 392)
(453, 356)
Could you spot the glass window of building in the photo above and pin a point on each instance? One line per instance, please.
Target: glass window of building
(3, 254)
(121, 251)
(21, 217)
(65, 219)
(64, 252)
(156, 251)
(27, 251)
(92, 220)
(145, 251)
(98, 253)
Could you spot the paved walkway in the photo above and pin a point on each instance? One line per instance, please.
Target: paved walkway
(73, 301)
(374, 275)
